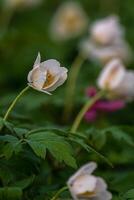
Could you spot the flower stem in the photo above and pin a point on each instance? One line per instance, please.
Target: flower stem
(59, 192)
(14, 102)
(84, 109)
(71, 84)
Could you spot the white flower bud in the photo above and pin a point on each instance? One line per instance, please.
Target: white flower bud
(46, 76)
(83, 185)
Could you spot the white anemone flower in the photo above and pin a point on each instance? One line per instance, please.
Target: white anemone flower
(46, 76)
(106, 31)
(83, 185)
(104, 54)
(117, 80)
(21, 3)
(69, 21)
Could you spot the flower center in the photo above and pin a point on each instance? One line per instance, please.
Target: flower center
(87, 194)
(49, 79)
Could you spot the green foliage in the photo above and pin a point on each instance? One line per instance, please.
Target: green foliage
(10, 193)
(129, 195)
(58, 147)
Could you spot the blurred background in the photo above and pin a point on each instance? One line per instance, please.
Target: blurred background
(25, 30)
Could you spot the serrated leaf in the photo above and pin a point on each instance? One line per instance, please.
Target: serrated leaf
(57, 146)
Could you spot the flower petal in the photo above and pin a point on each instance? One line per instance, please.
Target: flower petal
(100, 185)
(37, 61)
(84, 184)
(52, 65)
(61, 80)
(103, 196)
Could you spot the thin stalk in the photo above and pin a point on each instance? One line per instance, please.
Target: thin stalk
(71, 85)
(59, 192)
(14, 102)
(84, 109)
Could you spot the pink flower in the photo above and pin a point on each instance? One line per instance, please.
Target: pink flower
(102, 105)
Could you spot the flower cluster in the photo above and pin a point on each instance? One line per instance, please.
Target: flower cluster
(84, 185)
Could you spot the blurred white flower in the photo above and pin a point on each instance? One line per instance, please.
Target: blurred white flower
(46, 76)
(106, 42)
(112, 75)
(104, 54)
(106, 31)
(83, 185)
(69, 21)
(20, 3)
(117, 80)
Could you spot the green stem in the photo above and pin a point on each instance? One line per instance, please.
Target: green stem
(14, 102)
(59, 192)
(71, 84)
(84, 109)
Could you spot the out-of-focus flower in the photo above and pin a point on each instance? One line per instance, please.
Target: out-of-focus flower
(69, 21)
(117, 80)
(112, 75)
(104, 54)
(102, 106)
(21, 3)
(106, 42)
(84, 185)
(106, 31)
(46, 76)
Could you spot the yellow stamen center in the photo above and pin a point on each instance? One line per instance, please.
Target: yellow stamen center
(49, 79)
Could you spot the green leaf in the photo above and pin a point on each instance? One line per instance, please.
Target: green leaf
(57, 146)
(23, 184)
(10, 193)
(129, 195)
(118, 134)
(38, 148)
(12, 145)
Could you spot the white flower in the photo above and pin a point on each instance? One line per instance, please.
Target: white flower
(107, 31)
(112, 75)
(117, 80)
(104, 54)
(46, 76)
(69, 21)
(83, 185)
(20, 3)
